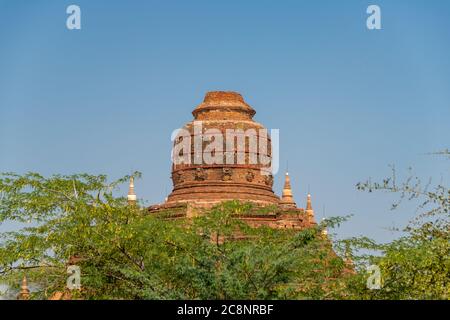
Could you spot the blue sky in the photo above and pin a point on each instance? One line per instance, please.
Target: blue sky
(348, 101)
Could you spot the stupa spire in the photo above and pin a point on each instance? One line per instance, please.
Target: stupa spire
(308, 202)
(24, 293)
(348, 256)
(348, 261)
(324, 230)
(309, 210)
(131, 195)
(287, 199)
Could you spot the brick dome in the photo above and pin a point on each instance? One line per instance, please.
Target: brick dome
(203, 183)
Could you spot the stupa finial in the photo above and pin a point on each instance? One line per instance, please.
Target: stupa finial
(308, 202)
(309, 210)
(287, 198)
(324, 230)
(24, 293)
(131, 195)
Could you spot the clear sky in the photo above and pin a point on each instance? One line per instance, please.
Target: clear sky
(348, 101)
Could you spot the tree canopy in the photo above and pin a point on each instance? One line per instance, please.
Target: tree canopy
(126, 253)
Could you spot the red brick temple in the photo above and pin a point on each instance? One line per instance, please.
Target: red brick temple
(199, 185)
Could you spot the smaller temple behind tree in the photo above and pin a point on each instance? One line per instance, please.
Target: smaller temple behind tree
(24, 293)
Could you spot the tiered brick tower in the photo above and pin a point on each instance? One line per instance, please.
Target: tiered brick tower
(212, 183)
(198, 185)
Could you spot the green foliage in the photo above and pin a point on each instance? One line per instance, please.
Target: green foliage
(126, 253)
(416, 266)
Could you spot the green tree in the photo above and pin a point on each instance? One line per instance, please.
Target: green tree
(417, 265)
(126, 253)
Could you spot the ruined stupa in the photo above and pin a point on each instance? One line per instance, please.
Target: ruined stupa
(236, 169)
(210, 183)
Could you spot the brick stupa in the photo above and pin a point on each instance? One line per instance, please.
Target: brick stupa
(199, 185)
(210, 184)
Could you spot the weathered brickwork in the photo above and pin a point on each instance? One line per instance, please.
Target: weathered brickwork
(202, 185)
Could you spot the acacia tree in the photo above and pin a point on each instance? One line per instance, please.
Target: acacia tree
(417, 265)
(125, 253)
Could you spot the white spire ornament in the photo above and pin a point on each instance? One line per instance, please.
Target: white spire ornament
(131, 195)
(309, 210)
